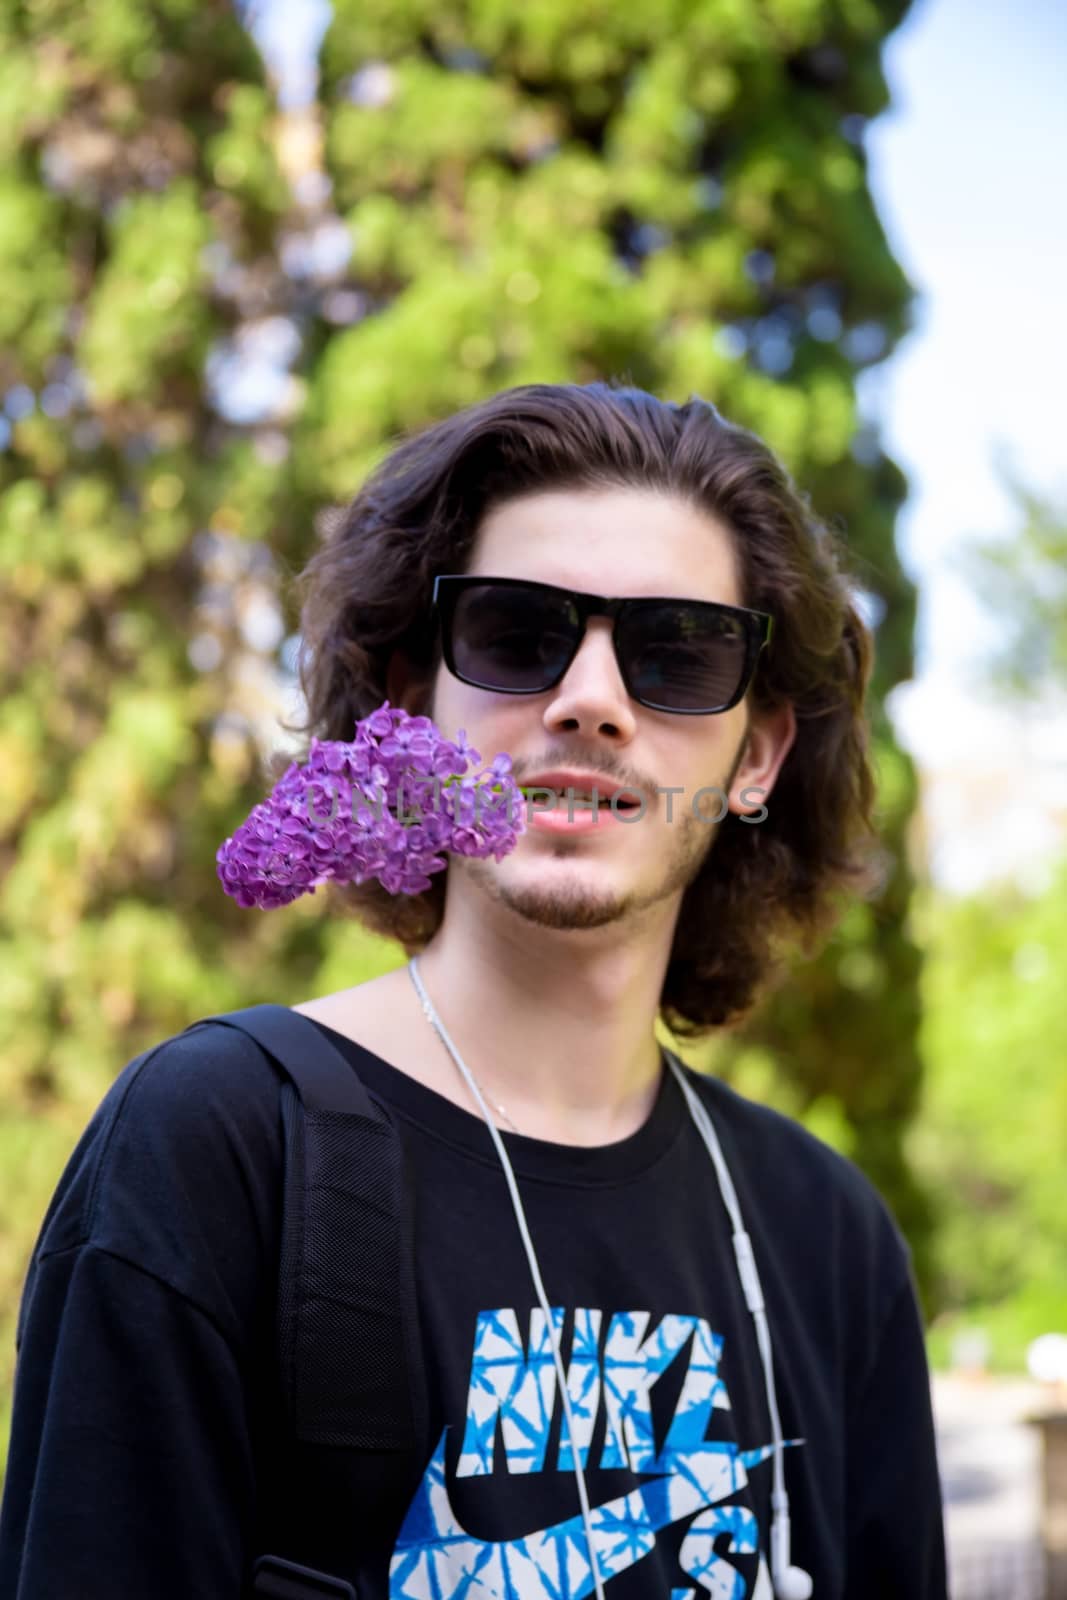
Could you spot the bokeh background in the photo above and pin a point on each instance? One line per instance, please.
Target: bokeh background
(242, 251)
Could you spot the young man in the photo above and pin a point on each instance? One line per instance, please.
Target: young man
(640, 1331)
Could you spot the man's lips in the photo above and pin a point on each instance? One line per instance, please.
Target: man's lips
(571, 783)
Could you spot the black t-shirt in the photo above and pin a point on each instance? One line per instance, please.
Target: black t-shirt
(148, 1455)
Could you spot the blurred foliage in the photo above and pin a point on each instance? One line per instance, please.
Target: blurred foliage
(1023, 581)
(139, 204)
(992, 1138)
(673, 192)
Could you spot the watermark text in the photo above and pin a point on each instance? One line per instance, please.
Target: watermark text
(627, 805)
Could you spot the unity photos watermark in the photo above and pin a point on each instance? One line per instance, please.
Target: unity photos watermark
(538, 798)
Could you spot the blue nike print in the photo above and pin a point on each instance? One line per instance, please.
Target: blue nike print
(614, 1366)
(436, 1559)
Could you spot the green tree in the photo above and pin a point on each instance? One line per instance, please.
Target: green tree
(139, 201)
(675, 192)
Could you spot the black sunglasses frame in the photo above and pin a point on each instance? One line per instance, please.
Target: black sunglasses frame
(758, 626)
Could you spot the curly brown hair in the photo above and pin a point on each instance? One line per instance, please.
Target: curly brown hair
(366, 593)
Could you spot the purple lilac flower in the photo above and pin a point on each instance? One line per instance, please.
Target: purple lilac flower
(386, 805)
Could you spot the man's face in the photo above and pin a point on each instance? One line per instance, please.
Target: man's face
(624, 542)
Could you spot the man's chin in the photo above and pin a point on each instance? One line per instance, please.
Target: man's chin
(563, 912)
(564, 904)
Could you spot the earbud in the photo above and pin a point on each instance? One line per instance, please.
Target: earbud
(790, 1583)
(793, 1584)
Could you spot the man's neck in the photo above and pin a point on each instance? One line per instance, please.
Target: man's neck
(558, 1027)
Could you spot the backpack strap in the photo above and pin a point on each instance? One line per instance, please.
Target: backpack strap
(324, 1078)
(349, 1357)
(346, 1312)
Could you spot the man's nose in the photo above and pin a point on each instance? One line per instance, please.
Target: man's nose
(591, 692)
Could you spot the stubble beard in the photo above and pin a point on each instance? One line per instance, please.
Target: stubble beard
(577, 904)
(580, 903)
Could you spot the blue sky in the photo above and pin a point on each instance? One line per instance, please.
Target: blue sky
(968, 172)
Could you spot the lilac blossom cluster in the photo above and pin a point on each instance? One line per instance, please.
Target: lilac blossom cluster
(288, 845)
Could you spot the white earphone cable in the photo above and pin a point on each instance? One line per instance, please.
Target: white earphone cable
(790, 1583)
(746, 1267)
(535, 1273)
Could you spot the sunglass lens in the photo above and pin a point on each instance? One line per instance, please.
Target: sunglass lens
(684, 658)
(511, 639)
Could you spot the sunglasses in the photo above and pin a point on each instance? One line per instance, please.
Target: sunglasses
(515, 636)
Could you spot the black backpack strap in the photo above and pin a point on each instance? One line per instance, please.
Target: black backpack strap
(346, 1287)
(348, 1346)
(275, 1579)
(324, 1078)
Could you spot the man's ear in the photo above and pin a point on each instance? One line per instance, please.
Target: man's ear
(770, 738)
(406, 687)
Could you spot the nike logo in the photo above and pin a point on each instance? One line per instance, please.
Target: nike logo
(435, 1558)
